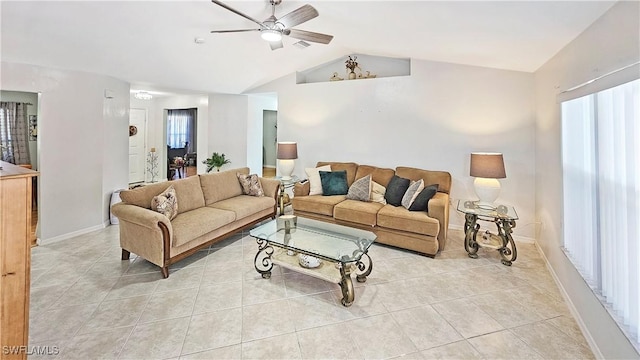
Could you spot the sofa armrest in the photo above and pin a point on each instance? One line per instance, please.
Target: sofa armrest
(140, 216)
(300, 189)
(438, 208)
(271, 188)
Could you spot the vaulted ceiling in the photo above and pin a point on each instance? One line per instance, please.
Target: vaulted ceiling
(151, 43)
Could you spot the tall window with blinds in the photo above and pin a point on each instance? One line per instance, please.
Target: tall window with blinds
(601, 183)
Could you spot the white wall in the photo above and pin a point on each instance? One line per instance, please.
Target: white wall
(610, 43)
(228, 129)
(432, 119)
(32, 98)
(83, 144)
(257, 105)
(156, 128)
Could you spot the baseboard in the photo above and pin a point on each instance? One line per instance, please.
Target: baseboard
(571, 306)
(72, 234)
(516, 238)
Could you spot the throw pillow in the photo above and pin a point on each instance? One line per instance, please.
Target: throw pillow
(377, 193)
(315, 185)
(250, 184)
(166, 203)
(334, 182)
(422, 200)
(412, 191)
(396, 189)
(360, 189)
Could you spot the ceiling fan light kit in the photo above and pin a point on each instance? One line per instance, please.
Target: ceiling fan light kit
(272, 29)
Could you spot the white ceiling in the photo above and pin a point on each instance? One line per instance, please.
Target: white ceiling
(151, 43)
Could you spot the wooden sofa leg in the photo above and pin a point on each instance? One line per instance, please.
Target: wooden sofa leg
(125, 254)
(165, 272)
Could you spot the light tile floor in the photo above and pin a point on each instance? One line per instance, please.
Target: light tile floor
(89, 304)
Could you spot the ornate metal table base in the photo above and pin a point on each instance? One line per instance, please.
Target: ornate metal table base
(506, 246)
(264, 261)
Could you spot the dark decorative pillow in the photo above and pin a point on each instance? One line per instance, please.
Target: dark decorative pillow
(250, 184)
(360, 189)
(422, 200)
(334, 182)
(396, 189)
(166, 203)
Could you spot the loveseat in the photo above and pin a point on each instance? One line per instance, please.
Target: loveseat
(210, 208)
(422, 231)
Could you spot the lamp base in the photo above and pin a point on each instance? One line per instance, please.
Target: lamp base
(487, 191)
(286, 168)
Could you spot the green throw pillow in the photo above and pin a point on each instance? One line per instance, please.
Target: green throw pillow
(422, 200)
(334, 182)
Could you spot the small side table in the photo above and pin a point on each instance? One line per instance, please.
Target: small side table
(505, 219)
(285, 184)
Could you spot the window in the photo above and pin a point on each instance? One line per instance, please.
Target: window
(181, 128)
(601, 181)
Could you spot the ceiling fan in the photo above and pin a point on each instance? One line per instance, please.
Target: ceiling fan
(272, 29)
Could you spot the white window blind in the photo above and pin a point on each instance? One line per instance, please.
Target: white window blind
(601, 183)
(180, 127)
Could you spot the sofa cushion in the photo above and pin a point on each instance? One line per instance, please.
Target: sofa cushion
(380, 175)
(358, 212)
(245, 205)
(349, 167)
(334, 182)
(317, 204)
(399, 218)
(314, 179)
(142, 196)
(188, 193)
(422, 200)
(192, 224)
(250, 184)
(396, 189)
(221, 185)
(412, 192)
(360, 189)
(442, 178)
(165, 203)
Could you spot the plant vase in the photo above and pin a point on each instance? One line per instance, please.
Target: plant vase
(352, 75)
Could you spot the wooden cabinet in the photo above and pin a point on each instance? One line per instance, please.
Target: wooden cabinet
(15, 259)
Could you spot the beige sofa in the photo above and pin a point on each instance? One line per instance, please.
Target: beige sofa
(420, 231)
(210, 208)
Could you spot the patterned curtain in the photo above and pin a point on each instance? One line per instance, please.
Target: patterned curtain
(14, 137)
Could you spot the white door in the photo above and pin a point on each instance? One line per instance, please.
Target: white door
(137, 151)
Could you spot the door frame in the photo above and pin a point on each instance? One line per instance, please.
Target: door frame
(146, 140)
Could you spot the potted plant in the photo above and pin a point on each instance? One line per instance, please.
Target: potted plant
(216, 161)
(352, 64)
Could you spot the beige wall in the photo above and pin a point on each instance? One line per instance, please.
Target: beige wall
(612, 42)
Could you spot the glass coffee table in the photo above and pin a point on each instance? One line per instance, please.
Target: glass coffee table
(326, 251)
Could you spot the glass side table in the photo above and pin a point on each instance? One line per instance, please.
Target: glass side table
(505, 219)
(283, 197)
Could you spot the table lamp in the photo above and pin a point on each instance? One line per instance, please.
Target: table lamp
(487, 168)
(287, 153)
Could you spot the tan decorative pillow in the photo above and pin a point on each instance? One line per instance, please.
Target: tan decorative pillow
(377, 193)
(250, 184)
(166, 203)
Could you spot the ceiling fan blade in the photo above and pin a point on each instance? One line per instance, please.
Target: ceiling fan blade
(309, 36)
(232, 31)
(298, 16)
(275, 45)
(237, 12)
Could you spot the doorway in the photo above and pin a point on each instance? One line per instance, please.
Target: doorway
(181, 134)
(269, 142)
(137, 145)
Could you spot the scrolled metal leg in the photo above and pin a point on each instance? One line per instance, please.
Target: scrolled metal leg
(508, 252)
(471, 228)
(364, 269)
(262, 261)
(346, 285)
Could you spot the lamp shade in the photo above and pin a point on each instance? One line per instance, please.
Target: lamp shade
(487, 165)
(287, 150)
